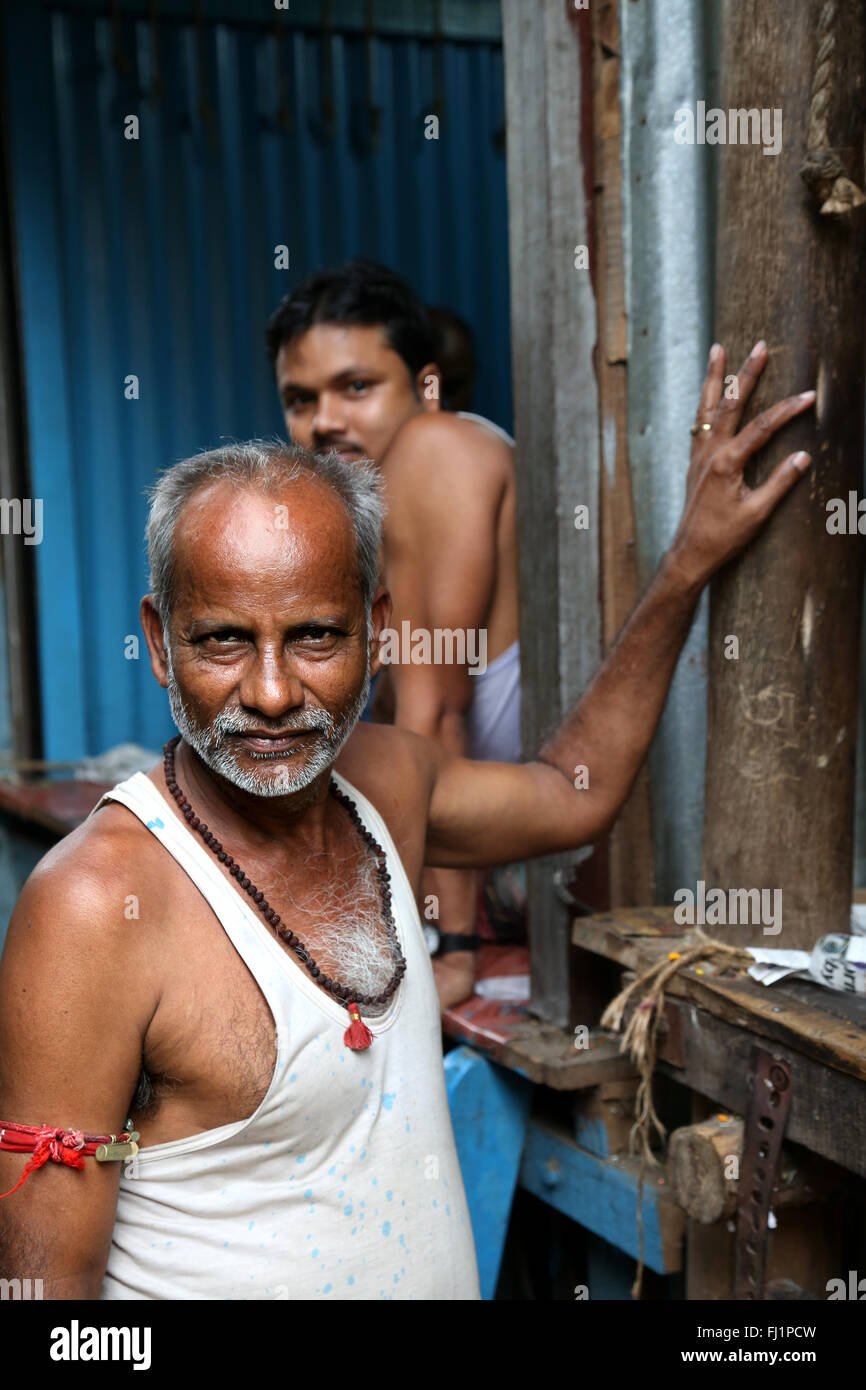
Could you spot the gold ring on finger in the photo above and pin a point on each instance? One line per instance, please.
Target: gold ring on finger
(693, 429)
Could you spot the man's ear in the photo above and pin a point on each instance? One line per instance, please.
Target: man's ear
(428, 384)
(381, 616)
(154, 637)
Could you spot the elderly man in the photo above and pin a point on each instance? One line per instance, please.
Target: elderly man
(228, 951)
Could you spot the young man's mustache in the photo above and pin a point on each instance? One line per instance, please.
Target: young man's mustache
(324, 446)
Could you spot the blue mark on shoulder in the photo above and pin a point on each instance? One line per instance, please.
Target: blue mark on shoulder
(386, 1228)
(155, 824)
(388, 1099)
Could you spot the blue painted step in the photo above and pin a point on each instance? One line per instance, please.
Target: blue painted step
(489, 1111)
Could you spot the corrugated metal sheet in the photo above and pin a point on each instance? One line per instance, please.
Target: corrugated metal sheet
(155, 257)
(668, 203)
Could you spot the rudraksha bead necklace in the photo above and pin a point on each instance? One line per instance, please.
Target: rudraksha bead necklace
(357, 1035)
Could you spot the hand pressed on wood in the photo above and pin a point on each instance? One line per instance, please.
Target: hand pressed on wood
(721, 513)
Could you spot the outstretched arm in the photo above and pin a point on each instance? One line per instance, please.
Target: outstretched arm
(491, 813)
(445, 482)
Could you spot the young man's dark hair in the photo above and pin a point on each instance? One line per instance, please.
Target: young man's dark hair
(360, 292)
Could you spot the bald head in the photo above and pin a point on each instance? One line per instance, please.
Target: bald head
(299, 494)
(291, 550)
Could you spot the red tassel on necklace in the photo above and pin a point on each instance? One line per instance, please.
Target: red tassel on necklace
(357, 1036)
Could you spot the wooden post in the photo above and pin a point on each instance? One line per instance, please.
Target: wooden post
(631, 869)
(577, 583)
(791, 269)
(553, 330)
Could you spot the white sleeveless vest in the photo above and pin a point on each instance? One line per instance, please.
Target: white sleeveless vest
(345, 1182)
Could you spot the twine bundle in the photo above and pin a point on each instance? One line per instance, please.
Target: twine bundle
(640, 1040)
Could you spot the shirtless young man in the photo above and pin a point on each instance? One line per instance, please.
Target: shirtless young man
(354, 360)
(278, 1159)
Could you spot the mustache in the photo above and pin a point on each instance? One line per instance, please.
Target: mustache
(230, 722)
(324, 445)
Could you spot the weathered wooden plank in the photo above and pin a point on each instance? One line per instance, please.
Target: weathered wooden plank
(828, 1107)
(543, 1053)
(549, 1056)
(779, 1013)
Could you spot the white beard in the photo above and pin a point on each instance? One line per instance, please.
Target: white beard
(276, 778)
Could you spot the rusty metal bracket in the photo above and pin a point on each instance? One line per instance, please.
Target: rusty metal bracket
(759, 1166)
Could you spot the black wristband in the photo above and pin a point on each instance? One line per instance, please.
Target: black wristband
(452, 941)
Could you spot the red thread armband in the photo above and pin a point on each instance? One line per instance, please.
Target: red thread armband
(66, 1146)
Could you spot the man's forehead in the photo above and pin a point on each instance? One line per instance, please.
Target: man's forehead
(301, 533)
(331, 349)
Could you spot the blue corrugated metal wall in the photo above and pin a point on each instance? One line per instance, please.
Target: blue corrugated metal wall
(155, 257)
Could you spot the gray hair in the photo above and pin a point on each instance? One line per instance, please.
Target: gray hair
(265, 465)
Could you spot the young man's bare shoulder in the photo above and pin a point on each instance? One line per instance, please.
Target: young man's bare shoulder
(465, 453)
